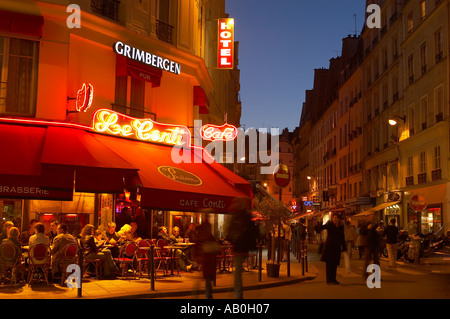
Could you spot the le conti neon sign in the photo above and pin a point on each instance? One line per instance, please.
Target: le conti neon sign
(113, 123)
(225, 132)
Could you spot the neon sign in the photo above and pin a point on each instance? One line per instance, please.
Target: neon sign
(146, 58)
(225, 132)
(226, 44)
(113, 123)
(85, 95)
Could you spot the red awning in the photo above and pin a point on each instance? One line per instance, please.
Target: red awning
(168, 185)
(125, 66)
(96, 167)
(201, 100)
(20, 167)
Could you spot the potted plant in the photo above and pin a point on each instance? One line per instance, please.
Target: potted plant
(274, 213)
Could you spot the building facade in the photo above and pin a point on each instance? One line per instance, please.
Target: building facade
(396, 72)
(150, 59)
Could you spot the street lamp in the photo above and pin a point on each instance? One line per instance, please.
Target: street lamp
(394, 120)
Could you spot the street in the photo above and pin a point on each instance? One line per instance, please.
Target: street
(406, 281)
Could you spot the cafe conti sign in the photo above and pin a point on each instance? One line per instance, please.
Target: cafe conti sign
(225, 132)
(113, 123)
(146, 58)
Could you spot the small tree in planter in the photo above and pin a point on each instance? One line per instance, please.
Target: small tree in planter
(274, 212)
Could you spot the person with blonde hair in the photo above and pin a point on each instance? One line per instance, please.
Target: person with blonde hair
(6, 228)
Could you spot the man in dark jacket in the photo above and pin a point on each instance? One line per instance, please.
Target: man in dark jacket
(334, 243)
(391, 233)
(372, 247)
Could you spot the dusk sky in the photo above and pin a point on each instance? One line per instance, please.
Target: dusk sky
(280, 44)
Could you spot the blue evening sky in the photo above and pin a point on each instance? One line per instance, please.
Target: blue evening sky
(280, 44)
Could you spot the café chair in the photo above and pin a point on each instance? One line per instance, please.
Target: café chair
(39, 259)
(165, 257)
(68, 257)
(10, 261)
(142, 255)
(89, 261)
(126, 258)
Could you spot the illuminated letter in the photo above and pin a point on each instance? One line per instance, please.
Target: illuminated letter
(74, 279)
(273, 157)
(74, 20)
(374, 279)
(374, 20)
(118, 48)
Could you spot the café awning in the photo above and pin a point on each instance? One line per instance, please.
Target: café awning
(168, 184)
(69, 152)
(371, 211)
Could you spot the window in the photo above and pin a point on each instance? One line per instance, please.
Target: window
(424, 112)
(410, 22)
(437, 157)
(410, 168)
(423, 11)
(411, 68)
(439, 45)
(439, 102)
(18, 76)
(411, 121)
(423, 162)
(423, 57)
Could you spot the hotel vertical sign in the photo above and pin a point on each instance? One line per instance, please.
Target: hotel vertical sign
(226, 44)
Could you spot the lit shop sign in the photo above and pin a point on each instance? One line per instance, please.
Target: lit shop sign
(179, 175)
(113, 123)
(147, 58)
(225, 132)
(226, 44)
(85, 96)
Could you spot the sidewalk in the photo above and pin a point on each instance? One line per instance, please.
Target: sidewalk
(184, 285)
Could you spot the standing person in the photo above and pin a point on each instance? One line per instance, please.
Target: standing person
(372, 246)
(350, 236)
(287, 240)
(242, 234)
(334, 243)
(207, 249)
(391, 233)
(360, 240)
(191, 233)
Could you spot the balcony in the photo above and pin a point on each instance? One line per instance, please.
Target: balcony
(436, 174)
(422, 178)
(106, 8)
(164, 31)
(409, 181)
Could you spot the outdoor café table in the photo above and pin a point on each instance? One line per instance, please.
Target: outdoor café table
(224, 249)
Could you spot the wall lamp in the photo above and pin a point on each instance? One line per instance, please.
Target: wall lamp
(394, 120)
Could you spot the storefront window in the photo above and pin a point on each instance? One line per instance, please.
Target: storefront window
(431, 219)
(11, 210)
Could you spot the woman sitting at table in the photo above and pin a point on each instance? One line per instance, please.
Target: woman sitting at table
(96, 251)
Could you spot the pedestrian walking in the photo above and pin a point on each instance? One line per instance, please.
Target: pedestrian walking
(360, 240)
(207, 248)
(350, 236)
(334, 244)
(372, 246)
(391, 233)
(242, 234)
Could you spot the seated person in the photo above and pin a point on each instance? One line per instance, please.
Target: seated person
(176, 235)
(13, 237)
(61, 240)
(112, 238)
(39, 236)
(184, 262)
(25, 236)
(95, 251)
(6, 228)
